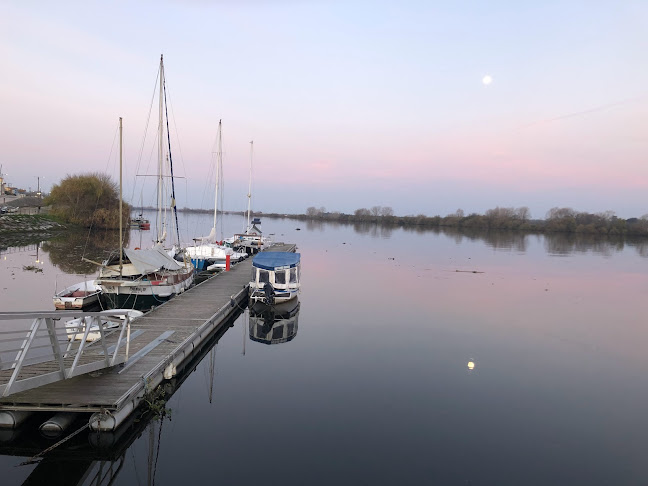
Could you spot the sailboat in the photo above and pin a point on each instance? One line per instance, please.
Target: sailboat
(143, 278)
(209, 254)
(252, 239)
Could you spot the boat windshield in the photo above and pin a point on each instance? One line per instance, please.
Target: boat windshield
(264, 276)
(280, 277)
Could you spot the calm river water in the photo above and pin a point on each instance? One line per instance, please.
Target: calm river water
(375, 388)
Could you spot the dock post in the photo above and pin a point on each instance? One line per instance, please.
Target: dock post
(227, 263)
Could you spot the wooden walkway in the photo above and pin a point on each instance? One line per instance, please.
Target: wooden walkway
(166, 335)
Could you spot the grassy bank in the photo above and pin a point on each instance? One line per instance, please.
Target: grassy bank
(23, 223)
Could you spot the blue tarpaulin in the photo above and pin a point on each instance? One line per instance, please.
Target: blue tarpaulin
(273, 260)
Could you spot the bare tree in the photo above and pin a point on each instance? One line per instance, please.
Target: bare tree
(607, 215)
(523, 213)
(560, 213)
(501, 213)
(386, 211)
(362, 214)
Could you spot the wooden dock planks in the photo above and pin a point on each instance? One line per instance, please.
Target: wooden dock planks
(180, 320)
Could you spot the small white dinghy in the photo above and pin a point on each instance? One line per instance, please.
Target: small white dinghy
(76, 328)
(77, 296)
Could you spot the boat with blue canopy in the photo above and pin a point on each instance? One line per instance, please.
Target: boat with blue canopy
(275, 277)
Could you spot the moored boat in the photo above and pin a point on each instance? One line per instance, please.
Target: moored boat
(209, 254)
(78, 296)
(252, 240)
(75, 328)
(143, 278)
(275, 277)
(140, 222)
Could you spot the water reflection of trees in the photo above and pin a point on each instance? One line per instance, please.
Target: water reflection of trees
(373, 230)
(642, 248)
(314, 225)
(67, 250)
(568, 243)
(554, 243)
(19, 240)
(499, 240)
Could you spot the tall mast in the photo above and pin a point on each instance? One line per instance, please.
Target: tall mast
(121, 232)
(219, 162)
(160, 157)
(250, 187)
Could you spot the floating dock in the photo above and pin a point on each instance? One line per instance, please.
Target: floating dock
(160, 342)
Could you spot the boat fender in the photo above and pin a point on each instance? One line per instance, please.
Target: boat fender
(170, 371)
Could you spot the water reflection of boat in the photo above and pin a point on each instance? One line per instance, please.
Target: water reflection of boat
(274, 324)
(275, 277)
(282, 310)
(78, 296)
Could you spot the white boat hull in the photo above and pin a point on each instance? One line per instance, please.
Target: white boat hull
(280, 295)
(78, 296)
(76, 328)
(140, 294)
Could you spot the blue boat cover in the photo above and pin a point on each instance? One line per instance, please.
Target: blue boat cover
(276, 260)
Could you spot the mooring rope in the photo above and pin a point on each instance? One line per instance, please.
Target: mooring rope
(34, 458)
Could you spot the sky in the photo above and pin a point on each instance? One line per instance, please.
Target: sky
(350, 104)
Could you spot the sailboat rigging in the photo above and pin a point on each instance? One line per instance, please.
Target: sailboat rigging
(249, 194)
(143, 278)
(252, 239)
(208, 253)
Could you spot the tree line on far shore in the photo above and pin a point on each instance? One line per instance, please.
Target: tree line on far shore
(93, 200)
(565, 220)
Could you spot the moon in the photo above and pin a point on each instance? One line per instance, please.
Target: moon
(486, 80)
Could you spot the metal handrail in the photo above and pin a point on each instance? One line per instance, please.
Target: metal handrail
(43, 328)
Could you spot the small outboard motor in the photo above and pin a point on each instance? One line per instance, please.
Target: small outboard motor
(269, 294)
